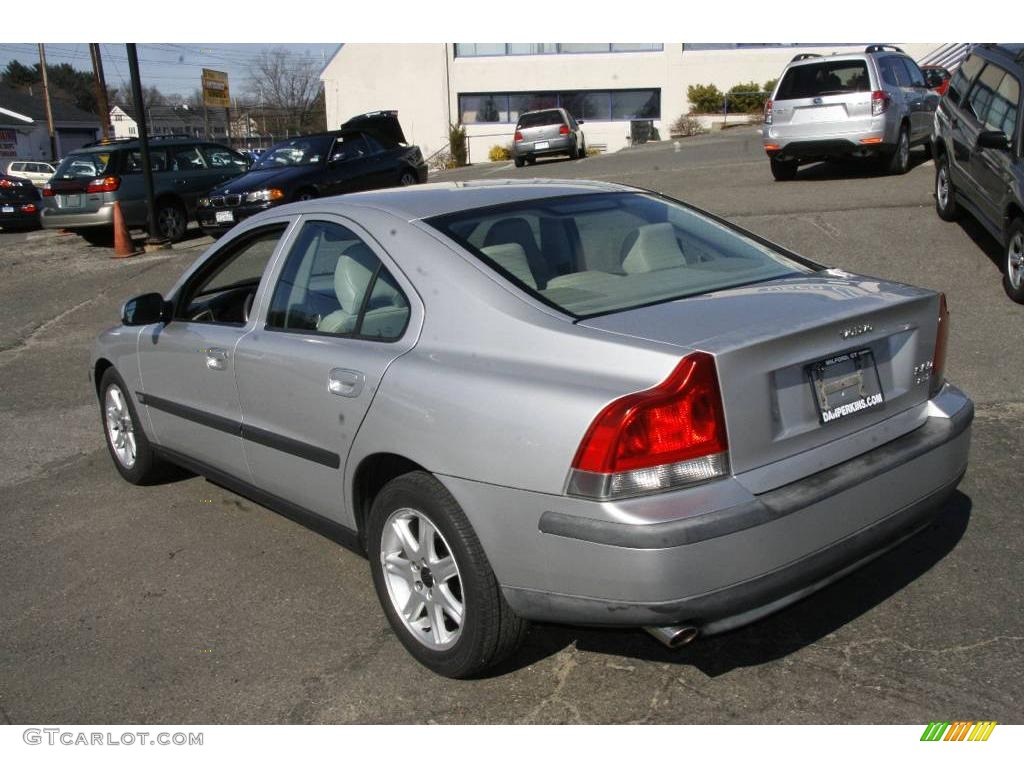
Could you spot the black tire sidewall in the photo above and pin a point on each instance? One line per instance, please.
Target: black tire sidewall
(1017, 226)
(423, 493)
(145, 461)
(173, 237)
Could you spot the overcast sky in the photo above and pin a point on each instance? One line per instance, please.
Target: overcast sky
(171, 67)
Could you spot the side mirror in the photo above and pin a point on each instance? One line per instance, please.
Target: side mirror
(993, 140)
(933, 79)
(145, 309)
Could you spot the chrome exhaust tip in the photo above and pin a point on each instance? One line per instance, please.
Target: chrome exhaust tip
(674, 637)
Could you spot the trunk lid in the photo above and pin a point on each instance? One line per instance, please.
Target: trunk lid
(822, 97)
(540, 126)
(769, 340)
(383, 125)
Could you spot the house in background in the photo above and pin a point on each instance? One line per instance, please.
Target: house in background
(171, 120)
(23, 131)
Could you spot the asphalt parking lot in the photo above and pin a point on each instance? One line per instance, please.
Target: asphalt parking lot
(185, 603)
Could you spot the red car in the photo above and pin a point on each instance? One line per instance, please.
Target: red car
(937, 78)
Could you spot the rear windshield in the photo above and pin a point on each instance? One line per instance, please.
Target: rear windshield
(594, 254)
(84, 165)
(824, 78)
(547, 117)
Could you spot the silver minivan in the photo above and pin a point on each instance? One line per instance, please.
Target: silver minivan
(872, 104)
(35, 171)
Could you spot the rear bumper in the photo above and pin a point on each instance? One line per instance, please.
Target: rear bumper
(730, 566)
(819, 149)
(56, 218)
(19, 219)
(559, 146)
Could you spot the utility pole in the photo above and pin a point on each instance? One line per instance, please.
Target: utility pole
(46, 98)
(101, 90)
(147, 169)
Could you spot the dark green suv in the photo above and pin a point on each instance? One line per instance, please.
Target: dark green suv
(979, 151)
(80, 196)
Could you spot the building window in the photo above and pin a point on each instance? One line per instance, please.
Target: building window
(533, 49)
(482, 108)
(133, 131)
(740, 46)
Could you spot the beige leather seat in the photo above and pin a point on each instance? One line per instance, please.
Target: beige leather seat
(512, 258)
(352, 276)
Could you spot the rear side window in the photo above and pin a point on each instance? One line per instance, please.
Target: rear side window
(962, 78)
(535, 119)
(824, 78)
(894, 71)
(994, 100)
(334, 284)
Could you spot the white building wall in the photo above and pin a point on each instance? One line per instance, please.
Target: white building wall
(418, 80)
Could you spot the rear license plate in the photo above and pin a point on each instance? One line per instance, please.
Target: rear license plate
(225, 217)
(540, 145)
(7, 209)
(70, 201)
(845, 384)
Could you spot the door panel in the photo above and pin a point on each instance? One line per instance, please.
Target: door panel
(303, 391)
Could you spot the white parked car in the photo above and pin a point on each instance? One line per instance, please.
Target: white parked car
(36, 172)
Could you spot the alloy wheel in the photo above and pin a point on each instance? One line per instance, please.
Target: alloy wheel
(1015, 261)
(407, 179)
(904, 150)
(171, 222)
(120, 428)
(942, 187)
(423, 579)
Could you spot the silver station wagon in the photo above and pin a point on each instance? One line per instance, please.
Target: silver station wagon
(560, 401)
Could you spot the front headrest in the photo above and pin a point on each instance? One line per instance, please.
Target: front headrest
(655, 248)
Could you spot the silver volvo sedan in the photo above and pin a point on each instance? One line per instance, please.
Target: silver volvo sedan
(559, 401)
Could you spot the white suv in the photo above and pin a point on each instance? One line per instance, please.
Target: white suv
(36, 172)
(871, 104)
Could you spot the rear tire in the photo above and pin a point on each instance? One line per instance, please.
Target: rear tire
(1013, 267)
(519, 162)
(945, 194)
(171, 221)
(582, 153)
(126, 440)
(434, 582)
(784, 170)
(899, 161)
(407, 179)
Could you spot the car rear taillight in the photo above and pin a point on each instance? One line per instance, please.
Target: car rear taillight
(768, 111)
(669, 436)
(563, 130)
(104, 184)
(879, 102)
(48, 191)
(29, 208)
(518, 136)
(7, 184)
(941, 341)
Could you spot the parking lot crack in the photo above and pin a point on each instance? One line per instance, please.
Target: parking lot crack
(562, 672)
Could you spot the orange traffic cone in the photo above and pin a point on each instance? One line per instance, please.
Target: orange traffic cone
(124, 246)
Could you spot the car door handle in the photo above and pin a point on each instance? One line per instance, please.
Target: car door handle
(344, 382)
(216, 359)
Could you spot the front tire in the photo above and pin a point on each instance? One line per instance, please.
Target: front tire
(407, 179)
(126, 440)
(434, 581)
(945, 194)
(1013, 268)
(784, 170)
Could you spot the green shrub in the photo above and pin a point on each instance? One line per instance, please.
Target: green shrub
(746, 97)
(457, 144)
(769, 85)
(704, 98)
(499, 152)
(686, 126)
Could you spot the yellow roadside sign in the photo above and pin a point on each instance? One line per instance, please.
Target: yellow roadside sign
(215, 88)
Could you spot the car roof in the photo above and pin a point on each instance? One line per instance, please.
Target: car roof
(1005, 54)
(427, 200)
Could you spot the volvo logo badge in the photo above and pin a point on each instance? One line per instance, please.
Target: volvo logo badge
(817, 99)
(855, 330)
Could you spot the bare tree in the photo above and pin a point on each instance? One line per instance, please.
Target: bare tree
(287, 86)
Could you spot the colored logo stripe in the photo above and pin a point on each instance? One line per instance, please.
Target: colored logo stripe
(958, 730)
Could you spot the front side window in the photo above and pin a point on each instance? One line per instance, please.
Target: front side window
(223, 289)
(308, 150)
(333, 284)
(593, 254)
